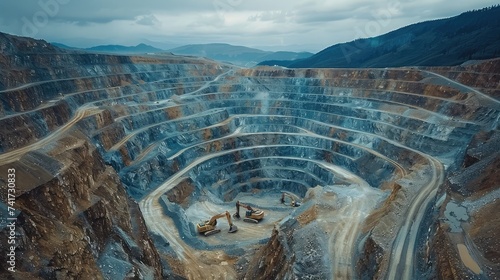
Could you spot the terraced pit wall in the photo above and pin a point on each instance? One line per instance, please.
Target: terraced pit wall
(371, 153)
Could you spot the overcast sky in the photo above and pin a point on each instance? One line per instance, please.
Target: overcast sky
(268, 24)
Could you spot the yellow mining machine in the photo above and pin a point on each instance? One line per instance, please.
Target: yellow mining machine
(208, 227)
(251, 215)
(293, 203)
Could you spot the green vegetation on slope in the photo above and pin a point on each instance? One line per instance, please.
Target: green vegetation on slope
(451, 41)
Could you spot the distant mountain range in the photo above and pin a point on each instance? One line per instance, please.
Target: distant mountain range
(471, 35)
(451, 41)
(238, 55)
(141, 48)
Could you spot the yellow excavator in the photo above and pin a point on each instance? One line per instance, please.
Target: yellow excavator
(208, 227)
(293, 203)
(251, 215)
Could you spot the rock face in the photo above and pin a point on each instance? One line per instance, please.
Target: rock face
(394, 168)
(81, 222)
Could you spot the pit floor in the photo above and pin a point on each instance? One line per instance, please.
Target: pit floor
(248, 233)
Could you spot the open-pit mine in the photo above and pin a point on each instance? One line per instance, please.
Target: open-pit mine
(119, 162)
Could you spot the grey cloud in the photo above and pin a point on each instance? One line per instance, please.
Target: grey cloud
(322, 17)
(147, 20)
(97, 11)
(272, 16)
(320, 13)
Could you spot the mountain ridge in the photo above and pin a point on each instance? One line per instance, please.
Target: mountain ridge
(239, 55)
(448, 41)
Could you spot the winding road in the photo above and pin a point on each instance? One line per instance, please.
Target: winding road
(81, 113)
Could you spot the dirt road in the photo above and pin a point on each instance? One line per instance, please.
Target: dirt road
(81, 113)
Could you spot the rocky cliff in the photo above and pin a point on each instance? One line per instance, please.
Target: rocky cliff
(76, 219)
(118, 157)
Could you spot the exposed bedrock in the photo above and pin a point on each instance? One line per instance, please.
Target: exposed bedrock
(380, 159)
(467, 221)
(75, 218)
